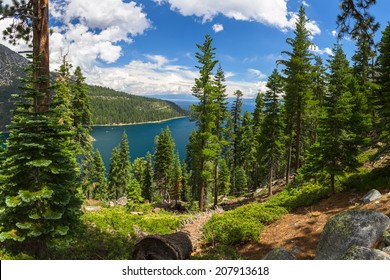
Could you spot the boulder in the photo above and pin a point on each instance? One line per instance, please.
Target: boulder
(371, 196)
(353, 228)
(279, 254)
(122, 201)
(364, 253)
(386, 250)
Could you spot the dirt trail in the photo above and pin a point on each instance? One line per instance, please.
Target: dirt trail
(300, 230)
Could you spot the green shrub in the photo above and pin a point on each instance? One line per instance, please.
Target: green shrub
(365, 180)
(242, 224)
(246, 222)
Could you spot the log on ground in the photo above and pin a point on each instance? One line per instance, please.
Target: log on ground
(175, 246)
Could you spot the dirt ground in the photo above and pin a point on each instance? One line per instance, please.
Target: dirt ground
(300, 230)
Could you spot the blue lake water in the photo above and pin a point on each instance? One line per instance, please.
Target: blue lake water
(141, 137)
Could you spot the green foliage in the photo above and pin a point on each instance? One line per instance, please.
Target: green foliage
(112, 107)
(240, 225)
(39, 176)
(245, 223)
(98, 177)
(366, 180)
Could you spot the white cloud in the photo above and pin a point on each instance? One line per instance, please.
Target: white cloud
(305, 4)
(334, 33)
(270, 12)
(317, 50)
(91, 30)
(257, 74)
(217, 27)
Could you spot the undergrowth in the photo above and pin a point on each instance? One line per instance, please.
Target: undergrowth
(245, 223)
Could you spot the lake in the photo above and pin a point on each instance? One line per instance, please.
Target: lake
(141, 137)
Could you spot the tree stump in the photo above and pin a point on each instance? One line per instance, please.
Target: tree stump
(175, 246)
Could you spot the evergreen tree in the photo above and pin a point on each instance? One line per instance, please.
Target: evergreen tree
(204, 115)
(39, 176)
(220, 100)
(338, 150)
(272, 128)
(298, 89)
(177, 179)
(98, 176)
(224, 178)
(236, 122)
(164, 163)
(148, 183)
(185, 194)
(258, 117)
(138, 168)
(115, 189)
(134, 191)
(384, 82)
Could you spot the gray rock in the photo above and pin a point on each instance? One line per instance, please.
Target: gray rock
(364, 253)
(122, 201)
(371, 196)
(279, 254)
(386, 250)
(352, 228)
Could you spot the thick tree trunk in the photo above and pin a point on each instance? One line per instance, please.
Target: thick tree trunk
(298, 140)
(288, 169)
(40, 23)
(270, 181)
(175, 246)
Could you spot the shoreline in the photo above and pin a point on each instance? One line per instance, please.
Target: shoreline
(148, 122)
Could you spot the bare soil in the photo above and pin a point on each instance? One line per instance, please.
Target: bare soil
(300, 230)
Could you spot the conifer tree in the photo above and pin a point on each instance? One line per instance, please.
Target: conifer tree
(148, 183)
(164, 163)
(258, 117)
(98, 176)
(224, 178)
(220, 100)
(272, 128)
(134, 191)
(384, 82)
(138, 168)
(236, 122)
(204, 115)
(39, 176)
(338, 149)
(177, 179)
(185, 194)
(119, 176)
(298, 89)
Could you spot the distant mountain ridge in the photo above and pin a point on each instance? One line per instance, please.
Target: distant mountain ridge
(108, 106)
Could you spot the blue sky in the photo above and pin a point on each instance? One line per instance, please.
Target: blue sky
(147, 47)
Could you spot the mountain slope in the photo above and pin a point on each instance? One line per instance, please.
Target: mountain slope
(108, 106)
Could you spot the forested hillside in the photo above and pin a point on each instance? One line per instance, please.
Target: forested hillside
(107, 106)
(113, 107)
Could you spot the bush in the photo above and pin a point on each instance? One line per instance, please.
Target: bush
(240, 225)
(245, 223)
(366, 180)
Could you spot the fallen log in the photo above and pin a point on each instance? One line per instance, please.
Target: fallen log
(175, 246)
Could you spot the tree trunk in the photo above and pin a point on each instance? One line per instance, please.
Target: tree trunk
(270, 181)
(40, 23)
(289, 160)
(175, 246)
(216, 181)
(332, 188)
(298, 139)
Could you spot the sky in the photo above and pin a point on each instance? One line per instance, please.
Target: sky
(147, 47)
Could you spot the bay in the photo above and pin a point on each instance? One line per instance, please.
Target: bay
(141, 137)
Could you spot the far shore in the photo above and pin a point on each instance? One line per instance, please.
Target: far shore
(123, 124)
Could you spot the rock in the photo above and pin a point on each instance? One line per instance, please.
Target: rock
(371, 196)
(364, 253)
(91, 208)
(386, 250)
(156, 210)
(296, 250)
(353, 228)
(386, 238)
(122, 201)
(137, 213)
(279, 254)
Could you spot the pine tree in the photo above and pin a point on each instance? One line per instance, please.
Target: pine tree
(236, 122)
(148, 184)
(98, 176)
(39, 176)
(272, 128)
(258, 117)
(177, 179)
(134, 191)
(220, 100)
(185, 194)
(338, 145)
(164, 163)
(384, 82)
(224, 178)
(115, 189)
(298, 89)
(204, 115)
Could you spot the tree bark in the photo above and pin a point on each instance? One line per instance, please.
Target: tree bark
(40, 24)
(216, 181)
(175, 246)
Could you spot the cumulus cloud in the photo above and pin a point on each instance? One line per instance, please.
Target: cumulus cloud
(217, 27)
(334, 33)
(270, 12)
(89, 30)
